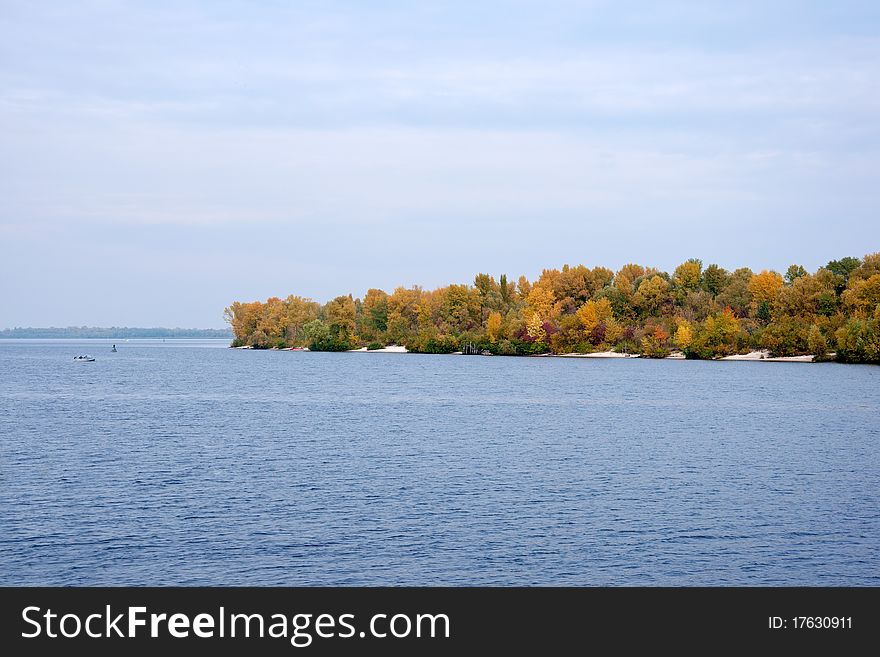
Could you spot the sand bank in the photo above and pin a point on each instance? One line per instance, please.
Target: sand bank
(390, 349)
(764, 355)
(599, 354)
(790, 359)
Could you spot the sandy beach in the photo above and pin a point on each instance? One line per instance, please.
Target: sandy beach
(760, 355)
(599, 354)
(764, 355)
(390, 349)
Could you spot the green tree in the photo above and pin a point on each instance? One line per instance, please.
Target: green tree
(715, 279)
(736, 294)
(842, 269)
(858, 341)
(786, 337)
(816, 343)
(793, 273)
(506, 292)
(717, 336)
(374, 316)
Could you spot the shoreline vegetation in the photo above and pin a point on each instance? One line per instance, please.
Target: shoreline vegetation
(113, 332)
(832, 314)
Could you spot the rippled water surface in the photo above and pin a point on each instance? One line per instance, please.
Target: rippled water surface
(186, 463)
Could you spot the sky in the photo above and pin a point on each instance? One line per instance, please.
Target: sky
(163, 159)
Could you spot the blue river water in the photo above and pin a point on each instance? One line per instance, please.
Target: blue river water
(185, 463)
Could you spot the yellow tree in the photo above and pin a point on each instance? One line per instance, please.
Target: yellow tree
(535, 327)
(651, 295)
(593, 312)
(863, 295)
(613, 331)
(299, 311)
(765, 287)
(721, 332)
(688, 275)
(523, 287)
(339, 315)
(684, 335)
(272, 320)
(403, 311)
(493, 326)
(542, 302)
(243, 318)
(626, 275)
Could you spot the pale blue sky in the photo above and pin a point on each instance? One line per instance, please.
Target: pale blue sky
(162, 159)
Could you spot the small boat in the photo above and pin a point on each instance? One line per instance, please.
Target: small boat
(83, 359)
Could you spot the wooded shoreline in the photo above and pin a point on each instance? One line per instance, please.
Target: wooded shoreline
(755, 356)
(701, 313)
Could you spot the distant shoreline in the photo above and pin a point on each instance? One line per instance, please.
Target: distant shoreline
(111, 333)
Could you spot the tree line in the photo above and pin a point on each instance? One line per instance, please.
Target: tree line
(703, 312)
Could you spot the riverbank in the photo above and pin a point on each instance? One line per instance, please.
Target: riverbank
(598, 354)
(762, 356)
(390, 349)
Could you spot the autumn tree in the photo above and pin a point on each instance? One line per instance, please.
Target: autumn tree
(593, 312)
(461, 308)
(817, 343)
(765, 287)
(870, 267)
(523, 287)
(298, 311)
(493, 327)
(808, 295)
(718, 336)
(339, 317)
(654, 343)
(786, 336)
(652, 295)
(535, 327)
(684, 335)
(858, 341)
(706, 313)
(688, 275)
(403, 314)
(374, 316)
(543, 303)
(243, 318)
(863, 295)
(490, 295)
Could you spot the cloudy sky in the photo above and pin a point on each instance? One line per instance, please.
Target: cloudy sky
(162, 159)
